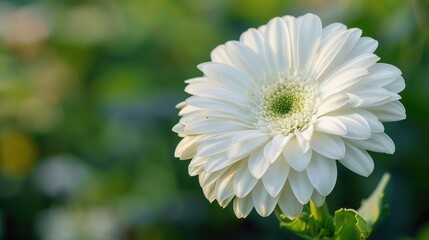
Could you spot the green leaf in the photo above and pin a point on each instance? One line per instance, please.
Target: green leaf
(374, 208)
(316, 224)
(303, 225)
(349, 225)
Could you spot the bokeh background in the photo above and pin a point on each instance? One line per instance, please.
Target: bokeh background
(87, 96)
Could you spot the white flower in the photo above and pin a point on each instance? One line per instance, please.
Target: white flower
(275, 112)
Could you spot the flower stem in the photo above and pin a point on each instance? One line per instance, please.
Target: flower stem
(319, 213)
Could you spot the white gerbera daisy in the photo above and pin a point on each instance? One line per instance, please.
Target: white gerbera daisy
(275, 112)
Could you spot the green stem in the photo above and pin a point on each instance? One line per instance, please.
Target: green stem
(319, 213)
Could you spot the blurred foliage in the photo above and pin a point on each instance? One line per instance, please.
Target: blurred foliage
(87, 96)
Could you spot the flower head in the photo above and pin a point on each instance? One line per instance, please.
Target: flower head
(276, 111)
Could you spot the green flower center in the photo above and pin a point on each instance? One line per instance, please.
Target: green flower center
(287, 104)
(282, 104)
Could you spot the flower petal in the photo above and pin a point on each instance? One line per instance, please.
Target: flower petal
(288, 203)
(263, 202)
(396, 86)
(275, 177)
(274, 148)
(258, 165)
(219, 55)
(244, 148)
(226, 75)
(277, 45)
(357, 126)
(210, 148)
(330, 125)
(342, 80)
(219, 161)
(330, 146)
(309, 32)
(317, 198)
(322, 173)
(243, 180)
(332, 103)
(225, 184)
(207, 178)
(243, 206)
(295, 157)
(379, 142)
(245, 59)
(363, 45)
(209, 191)
(301, 186)
(389, 112)
(254, 40)
(187, 147)
(358, 160)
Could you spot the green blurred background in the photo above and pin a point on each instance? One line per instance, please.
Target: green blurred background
(87, 96)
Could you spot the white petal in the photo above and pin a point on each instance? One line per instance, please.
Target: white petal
(207, 178)
(187, 147)
(330, 146)
(275, 177)
(332, 103)
(219, 55)
(374, 96)
(211, 148)
(357, 126)
(240, 149)
(209, 191)
(254, 40)
(304, 139)
(219, 161)
(364, 60)
(225, 184)
(248, 135)
(258, 165)
(328, 51)
(295, 157)
(263, 202)
(322, 173)
(392, 111)
(307, 134)
(309, 32)
(331, 125)
(213, 126)
(216, 91)
(382, 74)
(243, 206)
(277, 40)
(396, 86)
(291, 51)
(379, 142)
(194, 171)
(288, 203)
(225, 202)
(301, 186)
(243, 180)
(178, 128)
(342, 80)
(372, 120)
(363, 45)
(358, 160)
(213, 104)
(197, 161)
(275, 147)
(228, 76)
(245, 59)
(317, 198)
(333, 28)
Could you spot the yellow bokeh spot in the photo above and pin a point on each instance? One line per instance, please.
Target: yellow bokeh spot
(17, 154)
